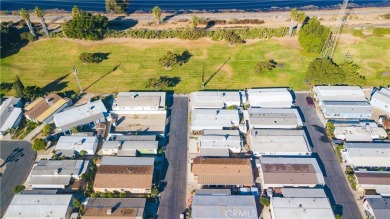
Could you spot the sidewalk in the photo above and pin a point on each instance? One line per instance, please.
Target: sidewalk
(34, 132)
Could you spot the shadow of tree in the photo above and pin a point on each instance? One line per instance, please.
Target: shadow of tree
(12, 42)
(172, 81)
(184, 57)
(14, 156)
(210, 24)
(103, 56)
(120, 23)
(56, 85)
(5, 87)
(167, 18)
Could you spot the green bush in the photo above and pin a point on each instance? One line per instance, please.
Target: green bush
(86, 26)
(265, 65)
(27, 36)
(169, 60)
(264, 201)
(313, 35)
(18, 189)
(379, 31)
(87, 57)
(38, 144)
(46, 130)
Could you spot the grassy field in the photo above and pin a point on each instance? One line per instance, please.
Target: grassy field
(48, 63)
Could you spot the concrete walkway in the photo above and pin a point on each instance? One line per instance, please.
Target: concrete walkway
(34, 132)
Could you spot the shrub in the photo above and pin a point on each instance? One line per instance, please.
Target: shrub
(265, 65)
(27, 36)
(87, 57)
(86, 26)
(313, 36)
(386, 16)
(379, 31)
(168, 60)
(83, 153)
(46, 130)
(18, 189)
(232, 37)
(264, 201)
(39, 144)
(122, 195)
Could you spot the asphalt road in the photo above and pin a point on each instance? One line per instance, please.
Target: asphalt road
(173, 197)
(335, 180)
(19, 158)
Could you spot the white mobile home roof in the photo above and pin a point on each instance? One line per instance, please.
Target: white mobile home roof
(77, 143)
(217, 206)
(213, 119)
(303, 193)
(359, 133)
(80, 115)
(9, 113)
(381, 99)
(339, 93)
(111, 144)
(128, 161)
(351, 109)
(60, 168)
(279, 142)
(369, 154)
(215, 99)
(270, 98)
(138, 145)
(219, 132)
(220, 141)
(140, 99)
(38, 206)
(303, 208)
(274, 118)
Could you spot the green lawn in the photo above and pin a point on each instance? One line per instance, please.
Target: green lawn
(48, 63)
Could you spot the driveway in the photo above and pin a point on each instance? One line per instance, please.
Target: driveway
(173, 198)
(335, 180)
(17, 157)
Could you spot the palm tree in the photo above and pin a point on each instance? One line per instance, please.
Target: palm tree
(40, 14)
(301, 17)
(26, 17)
(194, 21)
(293, 18)
(157, 14)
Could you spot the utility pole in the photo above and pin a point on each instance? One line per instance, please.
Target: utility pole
(77, 78)
(334, 34)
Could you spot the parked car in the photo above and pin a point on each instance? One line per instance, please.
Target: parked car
(310, 101)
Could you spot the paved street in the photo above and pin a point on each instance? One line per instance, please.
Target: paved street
(334, 176)
(173, 198)
(17, 158)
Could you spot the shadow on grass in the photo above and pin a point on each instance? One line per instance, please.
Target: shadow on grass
(56, 85)
(112, 70)
(213, 75)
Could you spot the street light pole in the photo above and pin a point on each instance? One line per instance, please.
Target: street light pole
(77, 78)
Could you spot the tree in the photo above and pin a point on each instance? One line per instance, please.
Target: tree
(264, 201)
(265, 65)
(76, 203)
(156, 11)
(19, 87)
(32, 92)
(83, 153)
(301, 17)
(41, 15)
(46, 130)
(157, 83)
(87, 57)
(325, 71)
(194, 21)
(26, 17)
(168, 60)
(38, 144)
(117, 6)
(84, 25)
(18, 189)
(232, 37)
(75, 11)
(293, 18)
(155, 191)
(313, 36)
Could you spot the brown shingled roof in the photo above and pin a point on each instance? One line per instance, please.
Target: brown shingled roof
(289, 174)
(43, 105)
(223, 171)
(373, 178)
(124, 177)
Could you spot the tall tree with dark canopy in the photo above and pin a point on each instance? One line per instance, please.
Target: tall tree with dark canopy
(117, 6)
(19, 87)
(26, 17)
(84, 25)
(41, 15)
(313, 36)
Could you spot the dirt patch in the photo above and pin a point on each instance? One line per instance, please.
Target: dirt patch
(386, 74)
(204, 54)
(348, 39)
(2, 169)
(226, 69)
(289, 42)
